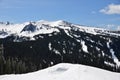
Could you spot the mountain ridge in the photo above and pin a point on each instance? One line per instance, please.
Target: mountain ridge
(42, 26)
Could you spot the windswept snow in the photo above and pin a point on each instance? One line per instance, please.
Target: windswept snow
(66, 71)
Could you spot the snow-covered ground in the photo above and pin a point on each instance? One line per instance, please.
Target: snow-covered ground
(65, 71)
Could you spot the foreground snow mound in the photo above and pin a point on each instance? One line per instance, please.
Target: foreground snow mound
(66, 71)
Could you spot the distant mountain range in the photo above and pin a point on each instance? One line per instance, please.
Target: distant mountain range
(30, 29)
(42, 44)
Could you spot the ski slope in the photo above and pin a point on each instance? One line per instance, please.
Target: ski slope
(65, 71)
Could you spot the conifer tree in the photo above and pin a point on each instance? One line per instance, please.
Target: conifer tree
(8, 66)
(1, 64)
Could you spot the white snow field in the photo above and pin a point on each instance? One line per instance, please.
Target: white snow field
(65, 71)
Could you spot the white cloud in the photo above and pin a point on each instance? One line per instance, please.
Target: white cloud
(111, 9)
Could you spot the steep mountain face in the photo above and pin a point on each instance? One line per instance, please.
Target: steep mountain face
(30, 27)
(42, 44)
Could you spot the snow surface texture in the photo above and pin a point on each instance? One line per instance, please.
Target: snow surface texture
(46, 27)
(64, 71)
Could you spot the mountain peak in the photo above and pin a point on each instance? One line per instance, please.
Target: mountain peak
(29, 27)
(62, 22)
(42, 21)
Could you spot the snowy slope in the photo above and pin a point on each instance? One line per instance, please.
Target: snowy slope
(66, 71)
(46, 27)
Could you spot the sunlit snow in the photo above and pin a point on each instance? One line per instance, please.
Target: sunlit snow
(66, 71)
(46, 27)
(84, 47)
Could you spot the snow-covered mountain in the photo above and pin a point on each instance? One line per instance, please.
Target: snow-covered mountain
(30, 29)
(66, 71)
(40, 44)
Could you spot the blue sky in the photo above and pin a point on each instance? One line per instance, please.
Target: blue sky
(86, 12)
